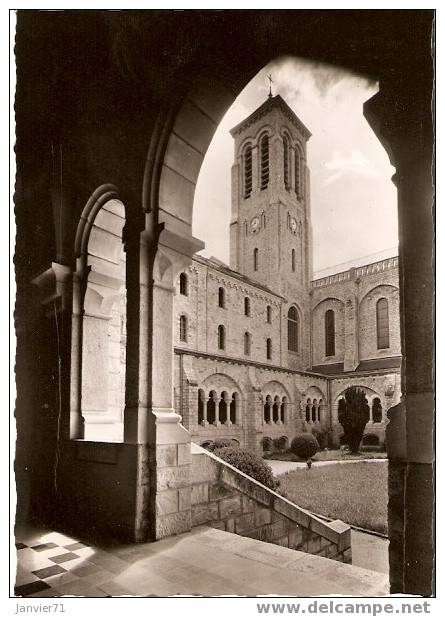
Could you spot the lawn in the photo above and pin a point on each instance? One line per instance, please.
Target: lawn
(326, 455)
(356, 493)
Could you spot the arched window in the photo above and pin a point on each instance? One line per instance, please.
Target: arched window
(377, 413)
(292, 329)
(276, 410)
(329, 332)
(183, 284)
(247, 171)
(382, 324)
(255, 259)
(201, 399)
(211, 408)
(308, 410)
(222, 408)
(286, 162)
(264, 162)
(269, 349)
(183, 328)
(293, 260)
(267, 406)
(247, 307)
(314, 410)
(221, 297)
(233, 408)
(269, 314)
(341, 407)
(298, 173)
(246, 344)
(221, 337)
(283, 410)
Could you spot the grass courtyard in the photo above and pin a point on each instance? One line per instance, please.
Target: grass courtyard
(356, 493)
(326, 455)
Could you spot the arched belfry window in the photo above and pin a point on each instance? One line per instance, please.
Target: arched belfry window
(183, 284)
(329, 332)
(292, 329)
(247, 171)
(221, 337)
(382, 324)
(247, 344)
(255, 259)
(286, 162)
(298, 172)
(221, 297)
(183, 328)
(264, 162)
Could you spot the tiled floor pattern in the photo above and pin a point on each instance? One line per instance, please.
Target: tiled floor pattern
(204, 562)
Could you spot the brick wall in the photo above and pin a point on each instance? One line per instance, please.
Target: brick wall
(225, 498)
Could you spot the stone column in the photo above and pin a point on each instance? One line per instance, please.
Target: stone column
(153, 263)
(400, 114)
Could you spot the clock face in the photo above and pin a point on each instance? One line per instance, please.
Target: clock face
(293, 224)
(255, 222)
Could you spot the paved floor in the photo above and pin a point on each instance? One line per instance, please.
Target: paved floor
(204, 562)
(369, 551)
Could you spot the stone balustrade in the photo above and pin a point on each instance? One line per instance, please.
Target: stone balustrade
(225, 498)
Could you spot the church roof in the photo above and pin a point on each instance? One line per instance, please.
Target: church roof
(374, 364)
(217, 264)
(268, 105)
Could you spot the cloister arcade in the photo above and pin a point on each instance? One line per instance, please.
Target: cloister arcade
(140, 136)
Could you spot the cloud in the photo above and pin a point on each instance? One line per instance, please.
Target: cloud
(355, 163)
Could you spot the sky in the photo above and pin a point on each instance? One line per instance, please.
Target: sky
(353, 201)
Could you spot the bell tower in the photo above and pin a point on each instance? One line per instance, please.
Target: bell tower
(270, 229)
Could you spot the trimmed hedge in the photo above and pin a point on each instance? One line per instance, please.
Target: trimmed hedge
(304, 445)
(267, 444)
(280, 443)
(250, 464)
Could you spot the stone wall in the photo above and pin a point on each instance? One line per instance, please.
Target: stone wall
(253, 383)
(227, 499)
(353, 296)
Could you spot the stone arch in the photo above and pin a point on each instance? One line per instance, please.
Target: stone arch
(370, 394)
(319, 331)
(98, 353)
(275, 387)
(368, 340)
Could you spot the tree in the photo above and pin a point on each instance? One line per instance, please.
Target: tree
(353, 415)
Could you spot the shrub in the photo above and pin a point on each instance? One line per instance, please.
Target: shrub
(321, 436)
(304, 445)
(370, 439)
(250, 464)
(267, 444)
(224, 442)
(353, 415)
(208, 445)
(280, 443)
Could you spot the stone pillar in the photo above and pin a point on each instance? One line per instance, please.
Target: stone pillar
(150, 419)
(400, 114)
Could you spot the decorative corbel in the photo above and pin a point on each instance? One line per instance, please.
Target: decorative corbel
(54, 287)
